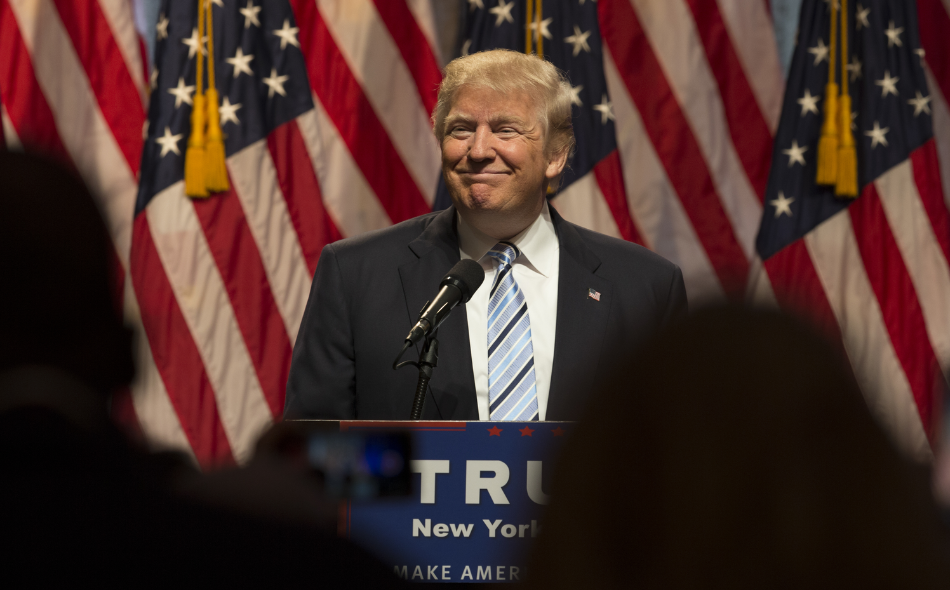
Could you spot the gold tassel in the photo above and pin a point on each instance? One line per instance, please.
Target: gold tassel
(216, 178)
(537, 24)
(195, 157)
(533, 39)
(217, 171)
(528, 46)
(847, 182)
(828, 144)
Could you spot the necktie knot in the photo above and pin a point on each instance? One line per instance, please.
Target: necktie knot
(505, 253)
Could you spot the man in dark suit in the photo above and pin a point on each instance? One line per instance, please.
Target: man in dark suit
(560, 304)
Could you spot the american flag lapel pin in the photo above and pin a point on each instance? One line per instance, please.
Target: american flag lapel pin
(595, 295)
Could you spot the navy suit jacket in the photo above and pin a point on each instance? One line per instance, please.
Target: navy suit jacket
(368, 292)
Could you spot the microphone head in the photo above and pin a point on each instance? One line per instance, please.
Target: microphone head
(467, 275)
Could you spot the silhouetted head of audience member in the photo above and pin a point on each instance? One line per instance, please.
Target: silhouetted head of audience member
(736, 451)
(58, 301)
(78, 502)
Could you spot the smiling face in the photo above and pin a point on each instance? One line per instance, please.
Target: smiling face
(494, 161)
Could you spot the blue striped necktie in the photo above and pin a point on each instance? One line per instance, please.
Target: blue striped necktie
(512, 391)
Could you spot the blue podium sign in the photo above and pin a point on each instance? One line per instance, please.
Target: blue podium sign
(479, 491)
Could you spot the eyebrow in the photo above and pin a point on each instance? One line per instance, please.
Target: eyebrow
(500, 118)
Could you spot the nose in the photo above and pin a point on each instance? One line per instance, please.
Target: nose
(481, 148)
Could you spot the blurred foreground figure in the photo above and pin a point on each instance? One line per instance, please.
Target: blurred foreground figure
(80, 503)
(737, 452)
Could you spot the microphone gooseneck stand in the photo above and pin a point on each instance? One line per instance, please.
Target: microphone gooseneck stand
(456, 288)
(428, 360)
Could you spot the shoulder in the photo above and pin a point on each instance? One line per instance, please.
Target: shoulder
(647, 282)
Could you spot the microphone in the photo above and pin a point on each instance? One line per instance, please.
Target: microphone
(456, 287)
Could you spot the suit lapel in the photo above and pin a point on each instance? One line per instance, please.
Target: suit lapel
(453, 382)
(582, 322)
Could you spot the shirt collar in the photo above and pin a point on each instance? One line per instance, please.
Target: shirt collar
(538, 243)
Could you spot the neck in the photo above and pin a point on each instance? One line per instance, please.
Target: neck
(500, 226)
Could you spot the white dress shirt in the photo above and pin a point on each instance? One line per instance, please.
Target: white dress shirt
(535, 271)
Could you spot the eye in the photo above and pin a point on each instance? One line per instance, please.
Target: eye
(458, 128)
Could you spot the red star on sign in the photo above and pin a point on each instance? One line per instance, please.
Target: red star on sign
(526, 431)
(557, 431)
(494, 431)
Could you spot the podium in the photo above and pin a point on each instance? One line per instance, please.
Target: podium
(480, 489)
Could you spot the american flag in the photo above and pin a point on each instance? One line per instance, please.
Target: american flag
(221, 282)
(874, 269)
(693, 92)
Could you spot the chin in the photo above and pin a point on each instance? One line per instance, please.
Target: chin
(476, 200)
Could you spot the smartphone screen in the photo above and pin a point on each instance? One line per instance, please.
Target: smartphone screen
(361, 465)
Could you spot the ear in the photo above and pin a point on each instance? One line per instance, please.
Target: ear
(556, 163)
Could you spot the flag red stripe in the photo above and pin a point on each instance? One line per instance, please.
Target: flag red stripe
(239, 261)
(609, 175)
(674, 141)
(799, 290)
(175, 353)
(22, 96)
(108, 75)
(747, 127)
(354, 117)
(926, 169)
(143, 52)
(897, 298)
(934, 22)
(298, 182)
(414, 48)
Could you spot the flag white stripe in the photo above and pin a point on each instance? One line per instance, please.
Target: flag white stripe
(675, 41)
(122, 24)
(377, 65)
(79, 121)
(153, 409)
(921, 252)
(9, 133)
(204, 303)
(941, 124)
(583, 203)
(834, 251)
(422, 13)
(255, 182)
(750, 30)
(652, 200)
(348, 198)
(759, 288)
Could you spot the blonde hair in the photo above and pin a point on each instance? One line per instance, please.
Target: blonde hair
(508, 72)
